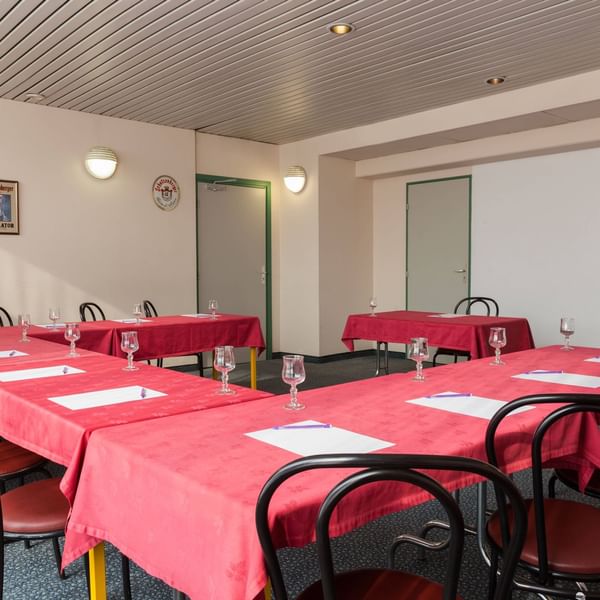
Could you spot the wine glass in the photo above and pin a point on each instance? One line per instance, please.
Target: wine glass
(567, 328)
(293, 374)
(137, 313)
(54, 315)
(372, 305)
(213, 305)
(24, 322)
(497, 340)
(129, 345)
(418, 350)
(72, 334)
(224, 362)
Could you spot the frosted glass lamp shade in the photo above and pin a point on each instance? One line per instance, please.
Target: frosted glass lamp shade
(294, 179)
(101, 162)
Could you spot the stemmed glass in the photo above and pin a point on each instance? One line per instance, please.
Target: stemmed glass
(24, 322)
(213, 305)
(137, 313)
(72, 334)
(497, 340)
(54, 315)
(372, 305)
(293, 374)
(129, 345)
(418, 350)
(567, 328)
(224, 362)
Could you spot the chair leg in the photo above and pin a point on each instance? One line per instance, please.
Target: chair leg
(86, 568)
(200, 364)
(177, 595)
(58, 558)
(126, 574)
(552, 486)
(493, 573)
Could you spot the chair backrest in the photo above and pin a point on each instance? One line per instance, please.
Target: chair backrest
(149, 309)
(94, 311)
(5, 316)
(392, 467)
(570, 404)
(488, 304)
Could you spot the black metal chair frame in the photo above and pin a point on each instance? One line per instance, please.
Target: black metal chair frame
(7, 316)
(91, 307)
(543, 577)
(470, 301)
(392, 467)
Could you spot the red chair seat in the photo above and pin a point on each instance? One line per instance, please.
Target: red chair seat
(14, 459)
(378, 584)
(35, 508)
(572, 531)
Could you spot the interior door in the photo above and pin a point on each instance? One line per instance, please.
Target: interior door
(437, 243)
(232, 250)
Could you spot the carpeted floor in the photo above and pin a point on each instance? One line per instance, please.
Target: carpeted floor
(31, 574)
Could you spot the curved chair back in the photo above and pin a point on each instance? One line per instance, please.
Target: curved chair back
(569, 404)
(5, 316)
(488, 304)
(391, 467)
(149, 309)
(92, 310)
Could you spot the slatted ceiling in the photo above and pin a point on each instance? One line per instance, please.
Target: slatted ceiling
(268, 70)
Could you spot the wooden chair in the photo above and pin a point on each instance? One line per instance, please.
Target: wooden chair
(388, 584)
(5, 316)
(562, 535)
(489, 305)
(94, 311)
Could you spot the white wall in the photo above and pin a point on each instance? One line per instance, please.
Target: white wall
(535, 241)
(84, 239)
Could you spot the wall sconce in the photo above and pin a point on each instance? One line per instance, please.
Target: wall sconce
(101, 162)
(294, 179)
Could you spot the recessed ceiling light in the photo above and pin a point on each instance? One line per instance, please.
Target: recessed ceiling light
(33, 97)
(340, 28)
(495, 80)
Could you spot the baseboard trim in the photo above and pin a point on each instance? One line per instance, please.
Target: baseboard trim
(340, 356)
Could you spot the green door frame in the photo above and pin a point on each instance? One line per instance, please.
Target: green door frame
(249, 183)
(409, 183)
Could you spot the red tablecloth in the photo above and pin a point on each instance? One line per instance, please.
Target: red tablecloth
(467, 332)
(29, 419)
(161, 337)
(192, 481)
(34, 350)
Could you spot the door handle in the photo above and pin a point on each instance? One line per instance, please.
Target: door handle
(460, 270)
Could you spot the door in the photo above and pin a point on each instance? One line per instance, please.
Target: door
(233, 249)
(437, 243)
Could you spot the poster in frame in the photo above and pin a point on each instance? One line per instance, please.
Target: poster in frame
(9, 206)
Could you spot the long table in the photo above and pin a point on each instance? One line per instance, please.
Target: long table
(168, 336)
(192, 480)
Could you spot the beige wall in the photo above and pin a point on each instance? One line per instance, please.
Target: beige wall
(84, 239)
(345, 249)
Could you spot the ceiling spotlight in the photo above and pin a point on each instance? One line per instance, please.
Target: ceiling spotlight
(33, 97)
(495, 80)
(341, 28)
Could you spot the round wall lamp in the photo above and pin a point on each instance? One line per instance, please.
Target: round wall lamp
(295, 179)
(101, 162)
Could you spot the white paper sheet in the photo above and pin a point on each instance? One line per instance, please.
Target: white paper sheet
(328, 440)
(448, 316)
(11, 353)
(130, 321)
(473, 406)
(587, 381)
(594, 359)
(198, 316)
(23, 374)
(106, 397)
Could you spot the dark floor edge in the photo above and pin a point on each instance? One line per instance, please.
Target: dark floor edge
(340, 356)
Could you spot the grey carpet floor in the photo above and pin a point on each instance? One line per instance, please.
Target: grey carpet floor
(31, 574)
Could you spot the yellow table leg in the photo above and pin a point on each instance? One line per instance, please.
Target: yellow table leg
(253, 368)
(215, 373)
(97, 573)
(268, 590)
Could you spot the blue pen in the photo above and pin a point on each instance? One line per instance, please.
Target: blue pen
(542, 372)
(449, 396)
(313, 426)
(143, 393)
(12, 352)
(65, 370)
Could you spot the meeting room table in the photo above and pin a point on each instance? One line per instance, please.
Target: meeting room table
(192, 481)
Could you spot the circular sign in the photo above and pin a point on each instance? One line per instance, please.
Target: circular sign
(165, 191)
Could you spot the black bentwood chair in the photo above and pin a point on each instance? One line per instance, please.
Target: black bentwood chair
(562, 536)
(387, 584)
(489, 305)
(93, 310)
(5, 316)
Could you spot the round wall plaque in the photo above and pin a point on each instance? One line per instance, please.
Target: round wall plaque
(165, 191)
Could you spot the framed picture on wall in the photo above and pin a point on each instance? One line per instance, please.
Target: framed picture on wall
(9, 207)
